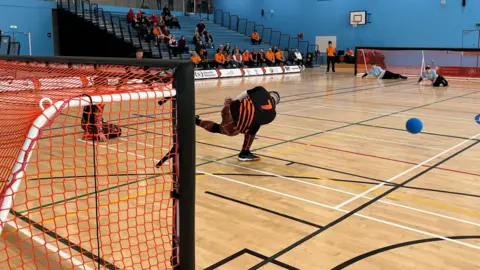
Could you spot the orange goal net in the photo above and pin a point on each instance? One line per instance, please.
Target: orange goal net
(89, 164)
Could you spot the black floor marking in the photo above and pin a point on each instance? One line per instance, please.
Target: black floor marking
(356, 210)
(249, 252)
(399, 245)
(349, 181)
(290, 163)
(265, 210)
(383, 127)
(65, 241)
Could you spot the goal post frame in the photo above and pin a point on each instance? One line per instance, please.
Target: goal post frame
(184, 101)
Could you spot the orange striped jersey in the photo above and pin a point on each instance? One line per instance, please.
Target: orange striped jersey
(255, 110)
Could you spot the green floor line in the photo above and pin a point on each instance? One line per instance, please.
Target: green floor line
(261, 148)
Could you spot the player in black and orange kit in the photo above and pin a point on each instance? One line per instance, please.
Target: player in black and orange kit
(94, 126)
(246, 114)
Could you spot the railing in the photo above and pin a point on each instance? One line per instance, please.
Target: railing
(106, 21)
(268, 35)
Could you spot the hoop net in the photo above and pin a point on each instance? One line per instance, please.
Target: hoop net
(68, 200)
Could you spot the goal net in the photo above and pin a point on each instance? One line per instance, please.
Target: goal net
(452, 63)
(90, 160)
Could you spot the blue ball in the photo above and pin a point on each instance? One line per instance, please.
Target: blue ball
(414, 125)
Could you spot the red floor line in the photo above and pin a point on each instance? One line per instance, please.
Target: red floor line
(368, 155)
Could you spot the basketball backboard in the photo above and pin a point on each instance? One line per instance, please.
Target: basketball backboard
(358, 17)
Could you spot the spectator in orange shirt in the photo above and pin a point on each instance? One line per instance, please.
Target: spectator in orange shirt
(219, 59)
(198, 61)
(331, 51)
(246, 57)
(256, 40)
(270, 57)
(349, 56)
(279, 57)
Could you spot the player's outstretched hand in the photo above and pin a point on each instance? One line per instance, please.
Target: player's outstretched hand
(228, 101)
(102, 137)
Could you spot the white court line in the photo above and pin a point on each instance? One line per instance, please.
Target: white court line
(381, 112)
(405, 172)
(361, 137)
(329, 188)
(344, 211)
(342, 191)
(54, 250)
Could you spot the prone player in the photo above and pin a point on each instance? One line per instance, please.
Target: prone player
(382, 74)
(432, 75)
(94, 127)
(246, 114)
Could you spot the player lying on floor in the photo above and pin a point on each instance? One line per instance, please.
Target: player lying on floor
(432, 75)
(94, 127)
(378, 72)
(250, 110)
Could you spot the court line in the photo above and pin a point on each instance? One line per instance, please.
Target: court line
(358, 186)
(344, 192)
(405, 172)
(395, 246)
(374, 126)
(361, 137)
(363, 206)
(369, 155)
(427, 116)
(340, 210)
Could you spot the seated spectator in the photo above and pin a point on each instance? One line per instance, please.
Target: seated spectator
(141, 13)
(228, 60)
(168, 20)
(261, 58)
(270, 57)
(161, 22)
(175, 22)
(157, 35)
(295, 58)
(227, 48)
(196, 38)
(219, 59)
(201, 49)
(153, 19)
(279, 58)
(209, 39)
(198, 61)
(182, 45)
(201, 28)
(275, 49)
(256, 40)
(131, 16)
(173, 45)
(246, 58)
(237, 59)
(143, 25)
(166, 11)
(349, 56)
(253, 59)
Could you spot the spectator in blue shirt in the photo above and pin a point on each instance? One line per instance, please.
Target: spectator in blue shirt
(378, 72)
(432, 75)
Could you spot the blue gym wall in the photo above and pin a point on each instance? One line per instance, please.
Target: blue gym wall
(32, 16)
(395, 23)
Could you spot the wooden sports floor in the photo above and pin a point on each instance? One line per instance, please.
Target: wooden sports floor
(341, 184)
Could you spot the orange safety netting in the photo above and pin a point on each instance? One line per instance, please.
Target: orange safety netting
(80, 180)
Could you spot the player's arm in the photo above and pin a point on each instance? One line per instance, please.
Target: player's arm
(421, 78)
